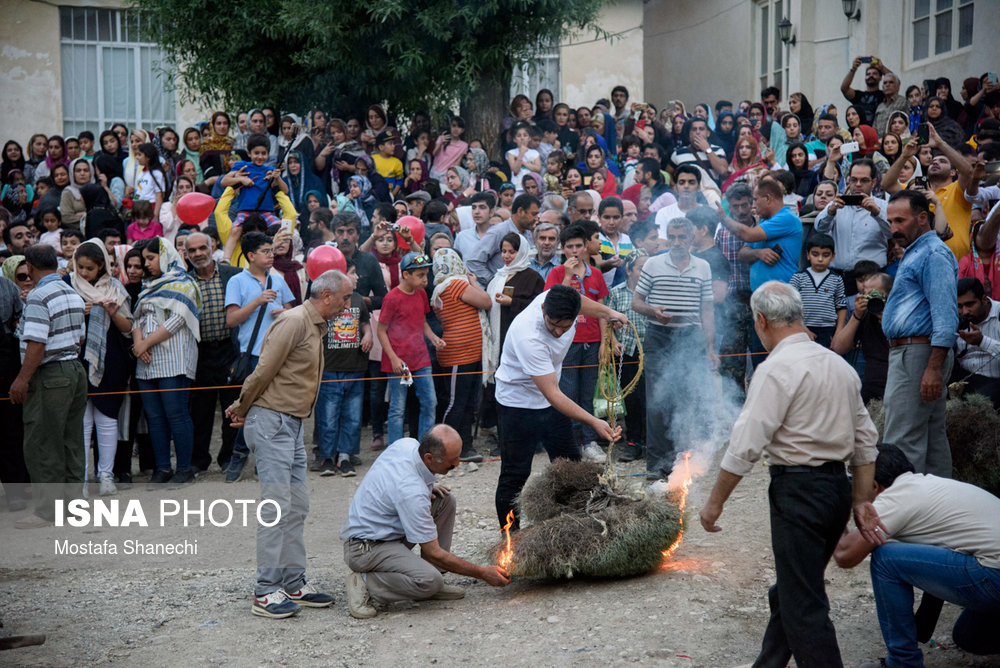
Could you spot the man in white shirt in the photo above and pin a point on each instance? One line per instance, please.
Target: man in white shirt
(397, 506)
(977, 349)
(530, 405)
(480, 208)
(945, 541)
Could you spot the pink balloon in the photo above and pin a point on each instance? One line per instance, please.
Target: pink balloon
(195, 207)
(416, 227)
(324, 259)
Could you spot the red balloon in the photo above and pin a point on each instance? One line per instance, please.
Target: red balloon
(416, 227)
(324, 259)
(195, 207)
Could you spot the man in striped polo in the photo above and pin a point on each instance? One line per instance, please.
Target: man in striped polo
(52, 386)
(675, 293)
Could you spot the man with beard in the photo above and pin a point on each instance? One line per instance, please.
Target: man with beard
(866, 101)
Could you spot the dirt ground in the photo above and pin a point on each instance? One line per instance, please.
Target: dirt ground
(706, 607)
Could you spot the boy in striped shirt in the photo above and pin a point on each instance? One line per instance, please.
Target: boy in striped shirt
(823, 302)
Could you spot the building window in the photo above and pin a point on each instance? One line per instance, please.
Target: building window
(109, 73)
(772, 63)
(541, 72)
(940, 27)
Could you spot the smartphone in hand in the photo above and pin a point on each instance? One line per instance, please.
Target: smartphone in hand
(923, 133)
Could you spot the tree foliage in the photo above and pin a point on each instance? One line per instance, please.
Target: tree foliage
(339, 55)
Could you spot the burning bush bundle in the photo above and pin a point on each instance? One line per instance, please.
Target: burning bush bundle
(581, 525)
(974, 435)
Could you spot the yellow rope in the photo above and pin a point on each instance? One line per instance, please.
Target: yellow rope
(609, 379)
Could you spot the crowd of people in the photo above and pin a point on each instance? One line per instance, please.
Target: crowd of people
(672, 218)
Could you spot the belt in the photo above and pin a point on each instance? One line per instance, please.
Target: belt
(827, 467)
(55, 362)
(908, 341)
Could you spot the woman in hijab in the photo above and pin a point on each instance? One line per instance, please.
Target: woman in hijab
(15, 269)
(300, 179)
(416, 176)
(942, 89)
(455, 185)
(899, 125)
(461, 306)
(725, 133)
(105, 353)
(169, 219)
(852, 118)
(165, 343)
(947, 128)
(192, 152)
(364, 166)
(512, 289)
(71, 204)
(55, 155)
(799, 105)
(791, 134)
(109, 174)
(378, 121)
(359, 194)
(216, 151)
(285, 264)
(37, 148)
(100, 212)
(746, 162)
(17, 196)
(798, 164)
(131, 168)
(13, 158)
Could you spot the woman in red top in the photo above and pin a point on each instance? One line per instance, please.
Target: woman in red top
(461, 306)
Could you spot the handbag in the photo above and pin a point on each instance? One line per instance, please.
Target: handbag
(243, 364)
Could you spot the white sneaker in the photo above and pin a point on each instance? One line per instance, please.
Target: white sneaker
(592, 452)
(107, 484)
(359, 603)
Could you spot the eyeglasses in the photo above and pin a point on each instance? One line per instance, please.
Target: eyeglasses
(264, 251)
(22, 277)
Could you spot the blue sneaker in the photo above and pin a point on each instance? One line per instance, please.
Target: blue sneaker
(309, 597)
(236, 465)
(275, 605)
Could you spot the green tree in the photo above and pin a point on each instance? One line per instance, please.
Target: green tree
(340, 55)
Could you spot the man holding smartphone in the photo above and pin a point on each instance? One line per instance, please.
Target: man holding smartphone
(866, 101)
(856, 220)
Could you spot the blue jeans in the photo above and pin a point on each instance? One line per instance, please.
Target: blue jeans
(897, 568)
(240, 449)
(580, 382)
(168, 415)
(423, 384)
(338, 413)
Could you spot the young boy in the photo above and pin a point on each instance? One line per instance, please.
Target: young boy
(646, 235)
(631, 152)
(142, 226)
(823, 303)
(579, 374)
(255, 180)
(615, 245)
(550, 138)
(402, 326)
(86, 144)
(386, 163)
(338, 408)
(67, 245)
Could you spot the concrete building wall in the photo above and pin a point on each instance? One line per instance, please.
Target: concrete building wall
(30, 73)
(696, 50)
(590, 66)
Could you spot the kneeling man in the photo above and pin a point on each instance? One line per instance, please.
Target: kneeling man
(397, 506)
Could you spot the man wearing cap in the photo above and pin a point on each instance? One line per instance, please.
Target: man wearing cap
(387, 164)
(416, 201)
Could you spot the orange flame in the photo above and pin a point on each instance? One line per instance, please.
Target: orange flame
(507, 554)
(685, 487)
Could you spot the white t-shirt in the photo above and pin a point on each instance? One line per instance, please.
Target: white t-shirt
(665, 215)
(529, 155)
(147, 184)
(929, 510)
(530, 350)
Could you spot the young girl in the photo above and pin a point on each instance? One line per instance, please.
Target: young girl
(52, 222)
(150, 184)
(168, 212)
(553, 170)
(142, 226)
(105, 354)
(521, 159)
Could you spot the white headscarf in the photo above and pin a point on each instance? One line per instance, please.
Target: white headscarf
(106, 287)
(491, 346)
(73, 186)
(448, 267)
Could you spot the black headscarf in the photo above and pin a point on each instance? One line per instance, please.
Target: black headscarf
(108, 165)
(947, 128)
(727, 140)
(952, 106)
(806, 116)
(100, 213)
